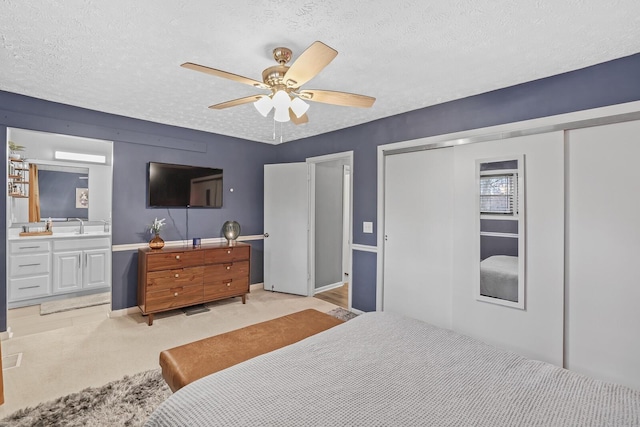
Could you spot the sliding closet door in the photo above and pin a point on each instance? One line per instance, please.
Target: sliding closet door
(603, 253)
(537, 330)
(418, 235)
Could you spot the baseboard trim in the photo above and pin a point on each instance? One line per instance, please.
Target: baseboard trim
(123, 312)
(327, 287)
(6, 334)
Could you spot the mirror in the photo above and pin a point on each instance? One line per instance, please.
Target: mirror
(65, 189)
(501, 238)
(63, 192)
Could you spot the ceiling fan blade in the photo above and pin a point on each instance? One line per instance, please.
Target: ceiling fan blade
(337, 98)
(298, 120)
(225, 75)
(235, 102)
(309, 64)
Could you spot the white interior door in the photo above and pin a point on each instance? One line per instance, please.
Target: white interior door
(418, 224)
(603, 249)
(286, 219)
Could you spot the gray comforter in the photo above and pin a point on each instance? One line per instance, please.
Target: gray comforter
(384, 370)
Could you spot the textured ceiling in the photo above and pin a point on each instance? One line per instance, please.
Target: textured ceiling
(123, 56)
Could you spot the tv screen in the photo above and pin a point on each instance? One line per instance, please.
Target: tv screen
(181, 185)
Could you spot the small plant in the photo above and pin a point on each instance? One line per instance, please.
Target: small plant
(156, 226)
(13, 147)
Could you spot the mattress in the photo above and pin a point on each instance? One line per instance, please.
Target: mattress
(499, 277)
(381, 369)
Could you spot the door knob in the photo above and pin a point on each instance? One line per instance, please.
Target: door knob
(266, 235)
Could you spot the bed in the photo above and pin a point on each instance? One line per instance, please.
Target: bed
(386, 370)
(499, 277)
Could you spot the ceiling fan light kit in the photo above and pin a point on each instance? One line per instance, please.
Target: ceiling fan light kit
(299, 107)
(284, 82)
(264, 105)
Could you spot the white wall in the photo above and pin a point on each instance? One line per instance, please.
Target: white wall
(536, 331)
(603, 253)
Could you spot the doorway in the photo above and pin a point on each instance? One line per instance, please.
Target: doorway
(330, 231)
(323, 203)
(59, 239)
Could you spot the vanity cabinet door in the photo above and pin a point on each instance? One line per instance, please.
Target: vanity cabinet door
(67, 271)
(96, 268)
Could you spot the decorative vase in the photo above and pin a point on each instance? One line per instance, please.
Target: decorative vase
(231, 231)
(156, 242)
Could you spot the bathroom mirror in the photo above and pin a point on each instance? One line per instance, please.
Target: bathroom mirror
(501, 225)
(64, 189)
(63, 192)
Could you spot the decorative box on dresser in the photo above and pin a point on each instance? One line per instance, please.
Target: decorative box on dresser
(175, 277)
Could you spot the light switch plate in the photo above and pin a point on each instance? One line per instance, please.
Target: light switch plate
(367, 227)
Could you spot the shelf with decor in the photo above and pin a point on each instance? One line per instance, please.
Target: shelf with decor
(18, 172)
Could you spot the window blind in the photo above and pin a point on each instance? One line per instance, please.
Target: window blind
(498, 194)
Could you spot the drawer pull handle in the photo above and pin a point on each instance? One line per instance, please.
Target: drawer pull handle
(228, 283)
(177, 256)
(175, 294)
(29, 265)
(177, 275)
(228, 267)
(29, 247)
(29, 287)
(228, 252)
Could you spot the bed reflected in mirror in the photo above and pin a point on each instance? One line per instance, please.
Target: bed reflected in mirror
(501, 231)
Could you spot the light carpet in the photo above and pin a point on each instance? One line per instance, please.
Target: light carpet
(125, 402)
(74, 303)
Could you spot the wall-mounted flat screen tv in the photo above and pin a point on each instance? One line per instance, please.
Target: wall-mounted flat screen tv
(182, 185)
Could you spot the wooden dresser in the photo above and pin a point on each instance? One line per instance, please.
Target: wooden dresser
(176, 277)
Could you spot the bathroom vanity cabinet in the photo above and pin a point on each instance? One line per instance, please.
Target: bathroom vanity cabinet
(43, 267)
(80, 264)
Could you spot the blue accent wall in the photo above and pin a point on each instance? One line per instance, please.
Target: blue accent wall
(137, 142)
(363, 292)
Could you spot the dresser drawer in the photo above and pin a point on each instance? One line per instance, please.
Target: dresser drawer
(175, 297)
(230, 270)
(29, 246)
(167, 279)
(173, 260)
(29, 287)
(226, 288)
(226, 254)
(22, 265)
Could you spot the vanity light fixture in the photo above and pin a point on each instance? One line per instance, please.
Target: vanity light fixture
(80, 157)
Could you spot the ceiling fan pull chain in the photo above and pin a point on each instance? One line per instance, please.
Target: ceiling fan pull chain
(274, 129)
(280, 132)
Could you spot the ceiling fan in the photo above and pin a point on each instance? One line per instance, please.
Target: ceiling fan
(284, 82)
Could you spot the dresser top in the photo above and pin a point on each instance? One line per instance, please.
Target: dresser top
(190, 248)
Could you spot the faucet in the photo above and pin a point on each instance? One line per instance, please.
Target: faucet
(81, 226)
